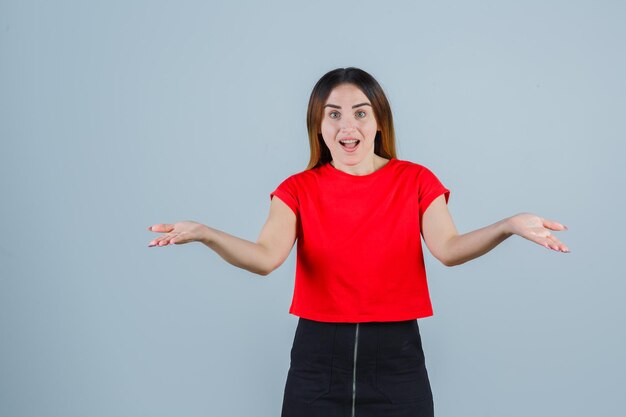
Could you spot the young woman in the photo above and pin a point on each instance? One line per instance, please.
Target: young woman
(357, 212)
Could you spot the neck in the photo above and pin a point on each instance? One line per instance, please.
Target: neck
(366, 167)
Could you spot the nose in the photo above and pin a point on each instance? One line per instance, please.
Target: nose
(347, 125)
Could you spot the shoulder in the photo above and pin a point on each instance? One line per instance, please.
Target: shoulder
(417, 174)
(301, 178)
(305, 175)
(410, 167)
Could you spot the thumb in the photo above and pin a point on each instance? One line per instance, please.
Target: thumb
(161, 227)
(553, 225)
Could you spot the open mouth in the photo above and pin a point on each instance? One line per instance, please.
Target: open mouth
(350, 145)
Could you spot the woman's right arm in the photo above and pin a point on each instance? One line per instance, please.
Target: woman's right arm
(271, 248)
(261, 257)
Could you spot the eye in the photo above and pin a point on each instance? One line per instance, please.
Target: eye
(333, 114)
(360, 114)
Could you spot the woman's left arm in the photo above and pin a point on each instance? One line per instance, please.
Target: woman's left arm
(451, 248)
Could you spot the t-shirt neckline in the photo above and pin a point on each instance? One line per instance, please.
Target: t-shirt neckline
(343, 174)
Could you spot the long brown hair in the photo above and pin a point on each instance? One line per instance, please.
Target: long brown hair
(385, 141)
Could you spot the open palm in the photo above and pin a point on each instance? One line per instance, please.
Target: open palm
(177, 233)
(538, 230)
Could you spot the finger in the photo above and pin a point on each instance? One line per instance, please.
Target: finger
(547, 242)
(161, 227)
(166, 240)
(556, 244)
(550, 224)
(161, 240)
(175, 236)
(170, 238)
(155, 241)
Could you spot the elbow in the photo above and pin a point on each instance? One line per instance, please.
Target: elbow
(264, 271)
(453, 262)
(265, 263)
(273, 264)
(447, 258)
(442, 257)
(269, 261)
(260, 271)
(447, 262)
(267, 269)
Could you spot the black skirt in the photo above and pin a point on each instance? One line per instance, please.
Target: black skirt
(372, 369)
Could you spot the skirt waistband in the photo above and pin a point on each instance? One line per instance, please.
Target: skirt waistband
(323, 340)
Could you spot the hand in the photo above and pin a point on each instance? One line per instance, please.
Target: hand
(537, 229)
(177, 233)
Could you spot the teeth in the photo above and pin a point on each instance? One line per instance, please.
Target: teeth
(349, 141)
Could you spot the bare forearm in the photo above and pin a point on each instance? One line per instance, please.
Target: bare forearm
(465, 247)
(238, 252)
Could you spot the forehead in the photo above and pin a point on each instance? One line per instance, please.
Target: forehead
(346, 93)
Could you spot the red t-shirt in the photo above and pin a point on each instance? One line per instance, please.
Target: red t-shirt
(359, 255)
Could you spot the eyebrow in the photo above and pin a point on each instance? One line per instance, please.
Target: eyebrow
(354, 107)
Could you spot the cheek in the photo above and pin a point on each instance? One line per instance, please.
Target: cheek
(370, 128)
(326, 134)
(329, 131)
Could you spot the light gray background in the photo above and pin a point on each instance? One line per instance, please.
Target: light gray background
(118, 115)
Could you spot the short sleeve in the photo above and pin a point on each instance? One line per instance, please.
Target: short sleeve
(288, 193)
(429, 188)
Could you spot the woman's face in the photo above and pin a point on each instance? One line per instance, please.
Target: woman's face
(348, 116)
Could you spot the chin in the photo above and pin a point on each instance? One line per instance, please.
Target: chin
(348, 159)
